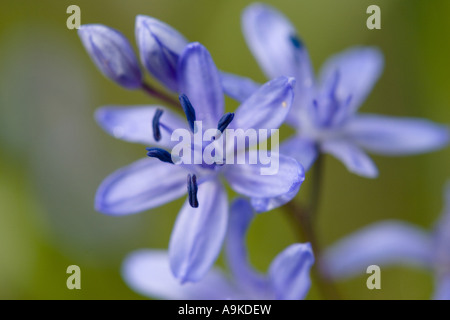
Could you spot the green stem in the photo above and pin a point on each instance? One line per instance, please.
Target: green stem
(303, 221)
(160, 95)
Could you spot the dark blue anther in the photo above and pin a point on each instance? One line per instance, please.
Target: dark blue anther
(159, 153)
(188, 110)
(295, 41)
(192, 190)
(225, 121)
(155, 124)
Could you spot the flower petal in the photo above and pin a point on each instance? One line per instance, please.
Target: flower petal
(359, 68)
(266, 204)
(397, 136)
(160, 47)
(199, 79)
(274, 42)
(250, 180)
(301, 149)
(442, 289)
(145, 184)
(289, 272)
(356, 160)
(199, 233)
(266, 108)
(112, 54)
(134, 124)
(237, 87)
(148, 273)
(384, 243)
(241, 215)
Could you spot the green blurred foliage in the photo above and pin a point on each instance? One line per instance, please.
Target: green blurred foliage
(53, 155)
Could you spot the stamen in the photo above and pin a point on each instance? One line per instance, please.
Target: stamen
(155, 124)
(188, 110)
(295, 41)
(192, 190)
(225, 121)
(159, 153)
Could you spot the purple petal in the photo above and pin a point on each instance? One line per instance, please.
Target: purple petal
(266, 204)
(160, 47)
(134, 124)
(112, 54)
(199, 233)
(359, 68)
(303, 150)
(266, 108)
(148, 273)
(382, 244)
(145, 184)
(237, 87)
(289, 272)
(275, 44)
(356, 160)
(442, 288)
(241, 215)
(280, 52)
(397, 136)
(247, 179)
(199, 79)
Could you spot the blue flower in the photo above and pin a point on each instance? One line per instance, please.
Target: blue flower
(324, 110)
(160, 47)
(396, 243)
(148, 272)
(112, 54)
(201, 225)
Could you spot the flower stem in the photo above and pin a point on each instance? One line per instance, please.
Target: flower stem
(303, 219)
(160, 95)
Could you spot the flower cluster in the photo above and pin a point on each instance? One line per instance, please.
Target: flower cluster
(322, 110)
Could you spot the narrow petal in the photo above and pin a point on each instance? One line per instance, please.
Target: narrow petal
(261, 204)
(289, 272)
(134, 124)
(199, 233)
(397, 136)
(145, 184)
(160, 47)
(266, 108)
(442, 289)
(237, 87)
(112, 54)
(199, 80)
(249, 179)
(241, 215)
(275, 44)
(356, 160)
(148, 273)
(359, 68)
(384, 243)
(303, 150)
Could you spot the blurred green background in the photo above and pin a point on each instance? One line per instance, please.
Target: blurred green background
(53, 155)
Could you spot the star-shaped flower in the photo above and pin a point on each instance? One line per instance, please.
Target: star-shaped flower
(201, 225)
(324, 110)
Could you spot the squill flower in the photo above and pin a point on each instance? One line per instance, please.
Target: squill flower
(112, 54)
(160, 47)
(148, 272)
(396, 243)
(201, 225)
(324, 110)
